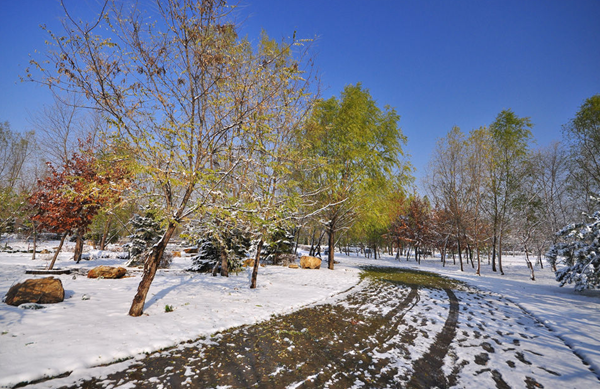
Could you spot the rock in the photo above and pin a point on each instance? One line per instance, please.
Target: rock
(47, 290)
(107, 272)
(293, 266)
(307, 262)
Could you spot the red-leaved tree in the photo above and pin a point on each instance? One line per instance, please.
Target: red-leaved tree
(66, 201)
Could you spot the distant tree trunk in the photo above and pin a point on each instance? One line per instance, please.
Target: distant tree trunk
(478, 261)
(529, 264)
(34, 240)
(78, 247)
(460, 255)
(500, 255)
(330, 255)
(443, 257)
(62, 240)
(494, 252)
(255, 268)
(470, 251)
(444, 252)
(224, 264)
(150, 267)
(297, 240)
(311, 252)
(105, 232)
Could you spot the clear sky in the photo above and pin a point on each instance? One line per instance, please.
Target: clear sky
(439, 63)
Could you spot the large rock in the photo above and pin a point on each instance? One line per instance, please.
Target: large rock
(107, 272)
(47, 290)
(307, 262)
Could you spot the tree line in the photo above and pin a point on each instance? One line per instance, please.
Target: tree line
(190, 130)
(489, 192)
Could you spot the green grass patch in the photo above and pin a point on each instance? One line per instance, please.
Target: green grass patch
(410, 277)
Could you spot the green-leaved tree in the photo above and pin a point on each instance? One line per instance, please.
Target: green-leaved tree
(359, 149)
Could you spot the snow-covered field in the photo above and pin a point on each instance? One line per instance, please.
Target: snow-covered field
(91, 327)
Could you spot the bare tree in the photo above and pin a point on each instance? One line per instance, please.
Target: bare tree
(61, 125)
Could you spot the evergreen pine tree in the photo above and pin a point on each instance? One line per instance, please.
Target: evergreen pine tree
(579, 252)
(147, 231)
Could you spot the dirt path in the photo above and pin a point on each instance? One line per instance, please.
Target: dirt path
(400, 329)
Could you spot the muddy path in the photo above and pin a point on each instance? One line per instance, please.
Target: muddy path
(400, 328)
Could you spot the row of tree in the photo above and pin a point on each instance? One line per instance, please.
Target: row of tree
(489, 191)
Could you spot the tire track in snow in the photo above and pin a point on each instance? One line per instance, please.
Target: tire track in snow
(428, 369)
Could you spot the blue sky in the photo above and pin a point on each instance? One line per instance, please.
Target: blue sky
(438, 63)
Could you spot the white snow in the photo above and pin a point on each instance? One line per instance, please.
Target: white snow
(80, 333)
(91, 327)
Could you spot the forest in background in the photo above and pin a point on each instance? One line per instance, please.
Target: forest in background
(183, 129)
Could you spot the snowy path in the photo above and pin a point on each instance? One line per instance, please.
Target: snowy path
(424, 333)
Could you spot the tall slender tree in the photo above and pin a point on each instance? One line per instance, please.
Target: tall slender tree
(510, 138)
(359, 146)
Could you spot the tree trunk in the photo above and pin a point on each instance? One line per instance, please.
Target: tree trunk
(460, 255)
(78, 247)
(529, 264)
(470, 250)
(331, 247)
(150, 267)
(255, 268)
(443, 254)
(34, 240)
(478, 261)
(500, 255)
(62, 240)
(494, 253)
(224, 264)
(311, 252)
(105, 232)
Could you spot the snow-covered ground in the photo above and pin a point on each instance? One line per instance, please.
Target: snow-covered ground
(91, 327)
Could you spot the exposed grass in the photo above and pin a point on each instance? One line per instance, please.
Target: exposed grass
(414, 278)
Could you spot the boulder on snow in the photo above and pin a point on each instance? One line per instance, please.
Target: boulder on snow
(307, 262)
(107, 272)
(47, 290)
